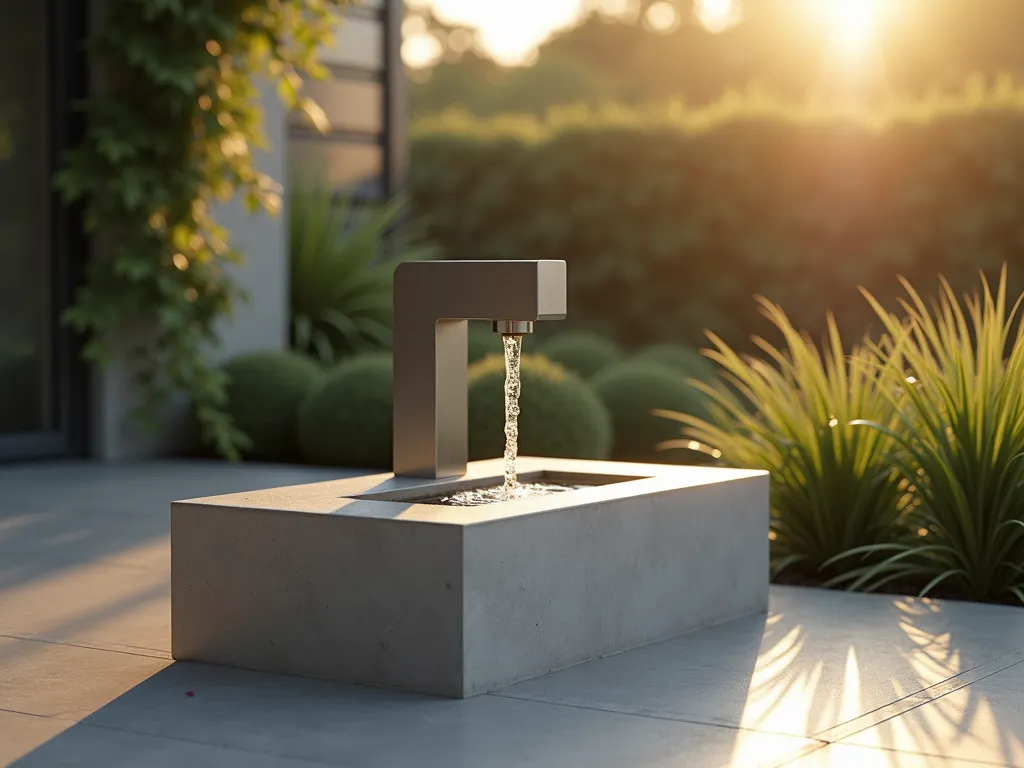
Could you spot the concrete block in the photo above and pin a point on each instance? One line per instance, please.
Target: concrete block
(358, 580)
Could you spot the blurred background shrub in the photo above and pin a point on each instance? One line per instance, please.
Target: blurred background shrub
(484, 341)
(583, 352)
(346, 420)
(559, 414)
(685, 360)
(671, 218)
(632, 391)
(264, 394)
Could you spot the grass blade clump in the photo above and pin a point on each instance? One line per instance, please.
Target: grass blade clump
(790, 412)
(958, 442)
(343, 258)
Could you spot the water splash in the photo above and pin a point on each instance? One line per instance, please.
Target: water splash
(513, 352)
(475, 497)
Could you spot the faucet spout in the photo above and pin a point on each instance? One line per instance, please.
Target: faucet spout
(512, 327)
(433, 302)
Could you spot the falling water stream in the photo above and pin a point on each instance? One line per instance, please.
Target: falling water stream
(513, 353)
(511, 489)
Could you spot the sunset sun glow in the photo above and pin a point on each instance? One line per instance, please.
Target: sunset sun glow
(716, 15)
(854, 25)
(510, 31)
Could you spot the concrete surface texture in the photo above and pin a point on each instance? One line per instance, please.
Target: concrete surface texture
(323, 581)
(824, 679)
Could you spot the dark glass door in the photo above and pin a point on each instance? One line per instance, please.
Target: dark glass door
(39, 73)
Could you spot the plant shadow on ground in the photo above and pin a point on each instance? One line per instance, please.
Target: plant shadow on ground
(906, 588)
(821, 665)
(853, 677)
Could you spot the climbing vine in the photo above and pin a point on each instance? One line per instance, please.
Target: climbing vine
(172, 130)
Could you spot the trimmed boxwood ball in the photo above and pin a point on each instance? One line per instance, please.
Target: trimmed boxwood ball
(686, 360)
(346, 420)
(631, 390)
(559, 414)
(264, 394)
(583, 352)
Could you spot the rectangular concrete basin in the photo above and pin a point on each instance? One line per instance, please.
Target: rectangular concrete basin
(358, 580)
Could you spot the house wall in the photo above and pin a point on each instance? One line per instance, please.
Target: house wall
(260, 323)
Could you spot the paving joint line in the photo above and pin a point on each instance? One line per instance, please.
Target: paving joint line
(799, 754)
(126, 650)
(823, 738)
(29, 714)
(199, 742)
(650, 714)
(891, 750)
(966, 760)
(925, 696)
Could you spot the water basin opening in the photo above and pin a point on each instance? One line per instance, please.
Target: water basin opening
(480, 491)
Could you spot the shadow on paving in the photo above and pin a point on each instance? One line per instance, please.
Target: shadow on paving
(282, 718)
(923, 660)
(762, 682)
(822, 665)
(84, 547)
(59, 515)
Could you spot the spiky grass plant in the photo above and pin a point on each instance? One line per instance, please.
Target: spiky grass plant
(959, 438)
(832, 488)
(343, 258)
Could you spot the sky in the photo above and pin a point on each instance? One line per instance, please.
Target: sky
(511, 30)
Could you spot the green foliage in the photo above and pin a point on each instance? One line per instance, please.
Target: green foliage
(679, 357)
(632, 392)
(958, 386)
(483, 341)
(265, 392)
(343, 260)
(346, 421)
(789, 411)
(559, 414)
(485, 88)
(171, 132)
(582, 352)
(672, 218)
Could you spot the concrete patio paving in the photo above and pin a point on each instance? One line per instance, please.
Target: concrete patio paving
(825, 679)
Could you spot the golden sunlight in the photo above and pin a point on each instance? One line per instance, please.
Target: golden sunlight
(716, 15)
(854, 25)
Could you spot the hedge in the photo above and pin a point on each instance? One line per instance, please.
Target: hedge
(559, 414)
(671, 220)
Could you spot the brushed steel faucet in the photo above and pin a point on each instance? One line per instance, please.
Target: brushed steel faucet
(433, 302)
